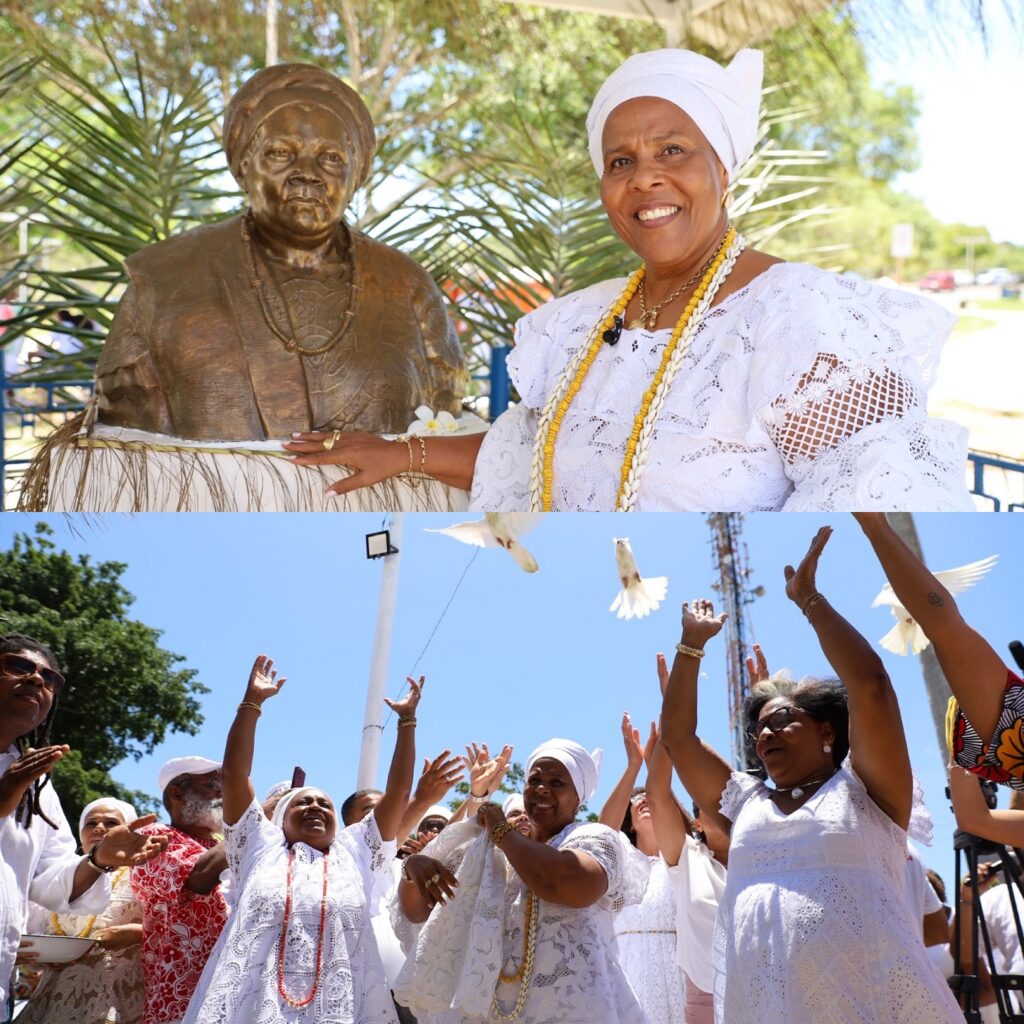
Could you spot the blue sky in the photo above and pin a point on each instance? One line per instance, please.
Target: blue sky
(517, 658)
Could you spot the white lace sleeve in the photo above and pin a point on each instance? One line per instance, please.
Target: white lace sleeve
(737, 790)
(626, 868)
(840, 384)
(501, 480)
(372, 853)
(247, 839)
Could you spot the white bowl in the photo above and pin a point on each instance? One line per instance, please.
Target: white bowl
(55, 949)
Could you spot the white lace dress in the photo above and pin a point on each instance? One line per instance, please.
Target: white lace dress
(813, 926)
(803, 391)
(646, 934)
(240, 982)
(451, 974)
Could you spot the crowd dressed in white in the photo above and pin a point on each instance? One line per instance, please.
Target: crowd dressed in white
(786, 893)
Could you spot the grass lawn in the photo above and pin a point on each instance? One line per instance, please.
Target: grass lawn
(969, 324)
(999, 304)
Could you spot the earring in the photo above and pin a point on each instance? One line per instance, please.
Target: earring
(725, 200)
(826, 749)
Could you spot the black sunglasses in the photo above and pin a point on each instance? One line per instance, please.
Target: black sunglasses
(20, 667)
(775, 722)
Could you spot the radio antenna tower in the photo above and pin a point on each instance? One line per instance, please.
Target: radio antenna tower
(729, 558)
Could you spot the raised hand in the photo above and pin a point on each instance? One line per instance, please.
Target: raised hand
(700, 623)
(631, 741)
(407, 704)
(486, 772)
(652, 742)
(124, 847)
(757, 667)
(438, 777)
(800, 583)
(20, 774)
(263, 682)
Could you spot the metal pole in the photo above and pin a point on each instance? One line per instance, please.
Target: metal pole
(271, 32)
(934, 680)
(373, 719)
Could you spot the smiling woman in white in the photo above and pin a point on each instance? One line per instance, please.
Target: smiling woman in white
(812, 925)
(299, 946)
(714, 378)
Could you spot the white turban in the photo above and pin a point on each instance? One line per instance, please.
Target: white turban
(185, 766)
(723, 102)
(513, 803)
(277, 789)
(125, 810)
(277, 818)
(437, 811)
(584, 769)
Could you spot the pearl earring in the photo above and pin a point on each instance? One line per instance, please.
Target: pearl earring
(826, 749)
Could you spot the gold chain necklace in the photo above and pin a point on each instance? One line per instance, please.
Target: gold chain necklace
(649, 317)
(525, 972)
(90, 922)
(274, 306)
(641, 436)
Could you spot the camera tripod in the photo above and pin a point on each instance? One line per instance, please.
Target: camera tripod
(966, 983)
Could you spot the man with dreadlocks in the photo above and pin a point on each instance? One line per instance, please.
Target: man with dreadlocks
(37, 851)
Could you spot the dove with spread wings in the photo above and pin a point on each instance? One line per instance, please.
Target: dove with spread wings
(499, 530)
(907, 633)
(638, 596)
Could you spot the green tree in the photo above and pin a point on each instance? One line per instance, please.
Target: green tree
(124, 692)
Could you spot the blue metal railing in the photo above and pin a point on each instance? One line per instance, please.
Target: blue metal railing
(979, 462)
(44, 407)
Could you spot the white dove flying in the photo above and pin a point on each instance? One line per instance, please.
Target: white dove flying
(638, 597)
(499, 530)
(907, 633)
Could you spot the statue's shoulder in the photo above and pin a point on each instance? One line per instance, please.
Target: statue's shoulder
(185, 249)
(380, 255)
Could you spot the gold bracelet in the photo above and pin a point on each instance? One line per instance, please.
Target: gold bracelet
(423, 452)
(408, 444)
(690, 652)
(814, 599)
(251, 704)
(501, 830)
(406, 720)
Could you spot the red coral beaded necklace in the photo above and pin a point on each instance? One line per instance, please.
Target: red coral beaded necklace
(291, 1000)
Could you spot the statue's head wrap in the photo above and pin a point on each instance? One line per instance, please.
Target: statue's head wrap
(723, 102)
(283, 84)
(583, 766)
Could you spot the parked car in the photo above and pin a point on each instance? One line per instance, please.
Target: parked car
(937, 281)
(962, 278)
(997, 275)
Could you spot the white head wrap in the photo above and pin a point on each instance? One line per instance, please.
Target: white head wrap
(513, 803)
(437, 811)
(723, 102)
(277, 789)
(584, 769)
(185, 766)
(124, 809)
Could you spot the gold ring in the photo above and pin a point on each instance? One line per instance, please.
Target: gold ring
(328, 443)
(434, 879)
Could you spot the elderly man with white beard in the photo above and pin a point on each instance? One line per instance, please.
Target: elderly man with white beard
(179, 925)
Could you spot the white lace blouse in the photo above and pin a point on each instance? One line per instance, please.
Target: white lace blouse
(803, 391)
(240, 982)
(451, 974)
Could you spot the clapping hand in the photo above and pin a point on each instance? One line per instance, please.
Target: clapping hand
(20, 774)
(438, 777)
(800, 583)
(407, 705)
(486, 772)
(263, 682)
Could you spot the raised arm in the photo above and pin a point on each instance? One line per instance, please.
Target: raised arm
(878, 748)
(236, 786)
(614, 810)
(392, 805)
(703, 771)
(670, 827)
(975, 672)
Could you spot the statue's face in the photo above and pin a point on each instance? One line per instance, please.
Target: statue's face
(300, 172)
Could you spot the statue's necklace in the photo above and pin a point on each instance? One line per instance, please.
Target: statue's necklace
(273, 305)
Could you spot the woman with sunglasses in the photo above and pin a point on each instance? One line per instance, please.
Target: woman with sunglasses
(812, 924)
(37, 851)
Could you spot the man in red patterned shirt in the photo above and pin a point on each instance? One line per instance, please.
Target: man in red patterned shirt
(179, 926)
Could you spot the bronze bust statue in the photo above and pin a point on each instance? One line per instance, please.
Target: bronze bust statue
(281, 319)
